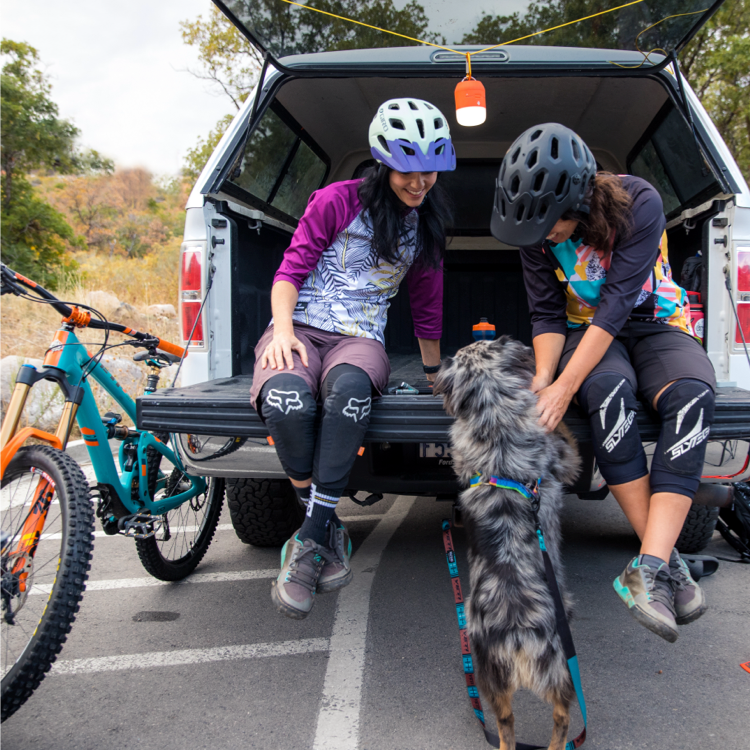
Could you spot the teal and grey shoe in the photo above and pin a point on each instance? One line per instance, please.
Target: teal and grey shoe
(689, 599)
(293, 591)
(337, 573)
(647, 591)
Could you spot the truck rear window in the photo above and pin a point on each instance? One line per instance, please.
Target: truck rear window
(280, 165)
(669, 159)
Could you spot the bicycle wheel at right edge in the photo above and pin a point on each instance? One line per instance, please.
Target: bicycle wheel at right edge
(38, 609)
(186, 532)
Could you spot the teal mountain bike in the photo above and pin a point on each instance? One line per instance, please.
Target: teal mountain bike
(47, 507)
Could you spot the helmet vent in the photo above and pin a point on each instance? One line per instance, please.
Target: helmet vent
(519, 213)
(383, 144)
(576, 150)
(515, 184)
(562, 185)
(428, 105)
(539, 181)
(395, 105)
(535, 135)
(437, 123)
(514, 158)
(532, 158)
(420, 126)
(439, 150)
(554, 148)
(502, 208)
(544, 206)
(412, 105)
(408, 151)
(397, 124)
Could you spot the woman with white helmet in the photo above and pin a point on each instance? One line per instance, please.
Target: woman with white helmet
(354, 245)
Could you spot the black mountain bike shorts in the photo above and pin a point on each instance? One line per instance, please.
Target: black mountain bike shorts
(649, 355)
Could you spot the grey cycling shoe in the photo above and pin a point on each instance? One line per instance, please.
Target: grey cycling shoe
(338, 572)
(647, 591)
(689, 599)
(293, 591)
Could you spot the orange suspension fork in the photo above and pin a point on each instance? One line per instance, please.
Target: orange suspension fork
(31, 532)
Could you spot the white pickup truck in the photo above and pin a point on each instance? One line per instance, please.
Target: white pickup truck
(305, 126)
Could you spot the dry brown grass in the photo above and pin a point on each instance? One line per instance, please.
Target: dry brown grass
(28, 328)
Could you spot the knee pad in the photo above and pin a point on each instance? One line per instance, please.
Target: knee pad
(610, 402)
(289, 410)
(686, 409)
(346, 415)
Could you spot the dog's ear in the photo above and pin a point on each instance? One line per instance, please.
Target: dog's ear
(444, 382)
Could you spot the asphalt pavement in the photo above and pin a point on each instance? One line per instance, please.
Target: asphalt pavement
(209, 663)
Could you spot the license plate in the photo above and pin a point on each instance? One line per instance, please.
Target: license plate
(434, 450)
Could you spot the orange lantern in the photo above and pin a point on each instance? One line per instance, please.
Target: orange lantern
(471, 106)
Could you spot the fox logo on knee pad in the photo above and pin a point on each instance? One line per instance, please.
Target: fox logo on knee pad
(357, 409)
(284, 401)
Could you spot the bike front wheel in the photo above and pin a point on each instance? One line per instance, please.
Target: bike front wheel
(41, 588)
(185, 533)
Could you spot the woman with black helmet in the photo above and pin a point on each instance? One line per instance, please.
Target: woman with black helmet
(609, 322)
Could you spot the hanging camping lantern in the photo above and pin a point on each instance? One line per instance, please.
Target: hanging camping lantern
(471, 105)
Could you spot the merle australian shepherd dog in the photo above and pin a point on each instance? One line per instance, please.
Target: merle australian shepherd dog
(511, 614)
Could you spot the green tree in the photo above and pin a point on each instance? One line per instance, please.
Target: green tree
(34, 234)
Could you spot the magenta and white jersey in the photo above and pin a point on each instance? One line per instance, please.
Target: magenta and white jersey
(342, 289)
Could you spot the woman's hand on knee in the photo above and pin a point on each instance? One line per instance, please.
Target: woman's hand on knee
(279, 352)
(552, 403)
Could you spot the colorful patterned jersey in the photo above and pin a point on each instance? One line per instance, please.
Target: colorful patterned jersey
(570, 284)
(582, 270)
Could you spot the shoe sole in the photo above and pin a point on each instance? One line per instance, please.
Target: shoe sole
(339, 583)
(284, 608)
(659, 628)
(693, 616)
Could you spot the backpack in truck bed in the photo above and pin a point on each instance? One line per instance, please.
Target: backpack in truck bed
(734, 522)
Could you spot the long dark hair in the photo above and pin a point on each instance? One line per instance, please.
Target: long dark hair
(387, 214)
(609, 209)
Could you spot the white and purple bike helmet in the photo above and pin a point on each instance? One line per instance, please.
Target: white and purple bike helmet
(412, 135)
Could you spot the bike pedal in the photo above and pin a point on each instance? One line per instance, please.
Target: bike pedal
(139, 526)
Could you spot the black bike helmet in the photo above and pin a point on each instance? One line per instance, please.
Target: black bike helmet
(544, 174)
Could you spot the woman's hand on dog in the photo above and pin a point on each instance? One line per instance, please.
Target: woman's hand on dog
(552, 403)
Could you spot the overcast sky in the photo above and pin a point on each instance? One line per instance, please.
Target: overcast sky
(118, 71)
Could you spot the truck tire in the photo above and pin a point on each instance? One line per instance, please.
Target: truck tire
(264, 512)
(697, 529)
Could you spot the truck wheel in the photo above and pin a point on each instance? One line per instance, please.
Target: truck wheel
(264, 512)
(698, 528)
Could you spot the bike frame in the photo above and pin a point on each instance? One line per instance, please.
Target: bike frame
(65, 362)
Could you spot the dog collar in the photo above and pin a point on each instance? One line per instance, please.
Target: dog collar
(530, 493)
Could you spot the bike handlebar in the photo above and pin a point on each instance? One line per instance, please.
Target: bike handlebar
(11, 280)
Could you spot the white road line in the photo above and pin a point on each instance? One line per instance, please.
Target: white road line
(338, 720)
(135, 583)
(187, 656)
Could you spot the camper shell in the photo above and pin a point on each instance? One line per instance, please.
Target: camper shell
(305, 127)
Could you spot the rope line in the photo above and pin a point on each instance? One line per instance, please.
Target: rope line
(501, 44)
(646, 55)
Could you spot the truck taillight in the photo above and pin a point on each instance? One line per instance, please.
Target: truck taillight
(191, 294)
(743, 296)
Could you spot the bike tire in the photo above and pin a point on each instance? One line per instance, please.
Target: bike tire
(173, 559)
(61, 565)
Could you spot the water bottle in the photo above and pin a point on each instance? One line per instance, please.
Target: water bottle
(483, 331)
